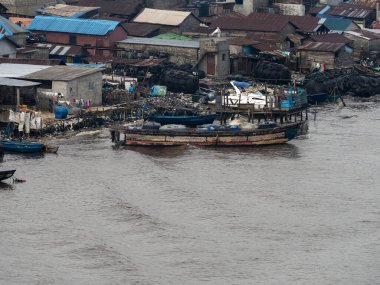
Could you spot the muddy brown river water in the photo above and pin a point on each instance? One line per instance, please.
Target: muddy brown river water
(307, 212)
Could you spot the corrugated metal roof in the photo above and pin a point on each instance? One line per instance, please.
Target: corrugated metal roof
(9, 28)
(19, 70)
(161, 17)
(72, 25)
(258, 22)
(331, 38)
(140, 29)
(351, 11)
(61, 50)
(16, 82)
(321, 46)
(64, 10)
(114, 7)
(61, 73)
(159, 42)
(365, 34)
(335, 24)
(242, 41)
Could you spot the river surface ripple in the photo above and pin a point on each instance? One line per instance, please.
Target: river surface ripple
(307, 212)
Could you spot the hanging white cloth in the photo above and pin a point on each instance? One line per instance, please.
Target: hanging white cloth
(21, 122)
(27, 123)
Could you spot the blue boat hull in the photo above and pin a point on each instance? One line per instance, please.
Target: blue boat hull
(23, 147)
(317, 98)
(183, 120)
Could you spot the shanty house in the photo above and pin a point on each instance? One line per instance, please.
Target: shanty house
(15, 92)
(312, 54)
(169, 21)
(366, 43)
(97, 36)
(361, 15)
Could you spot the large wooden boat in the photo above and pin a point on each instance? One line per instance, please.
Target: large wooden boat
(260, 136)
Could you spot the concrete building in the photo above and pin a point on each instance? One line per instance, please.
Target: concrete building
(246, 7)
(71, 82)
(169, 21)
(210, 55)
(97, 36)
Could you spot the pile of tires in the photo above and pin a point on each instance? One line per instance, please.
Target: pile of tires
(342, 82)
(180, 81)
(272, 72)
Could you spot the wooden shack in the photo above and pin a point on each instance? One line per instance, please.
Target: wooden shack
(316, 54)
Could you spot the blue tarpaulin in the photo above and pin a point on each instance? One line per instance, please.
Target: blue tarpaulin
(242, 84)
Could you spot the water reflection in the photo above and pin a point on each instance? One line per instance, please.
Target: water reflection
(158, 151)
(286, 150)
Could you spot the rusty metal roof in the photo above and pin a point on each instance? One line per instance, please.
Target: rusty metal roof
(330, 38)
(321, 46)
(240, 41)
(365, 34)
(268, 38)
(265, 47)
(254, 22)
(351, 11)
(64, 10)
(110, 7)
(140, 29)
(306, 24)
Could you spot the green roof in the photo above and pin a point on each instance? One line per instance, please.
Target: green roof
(171, 36)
